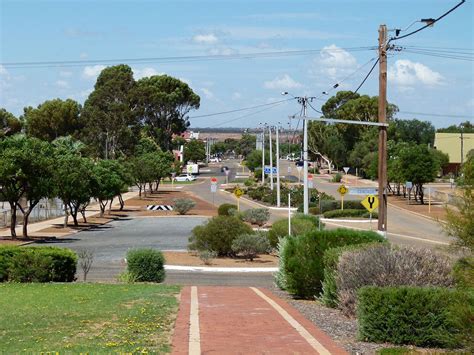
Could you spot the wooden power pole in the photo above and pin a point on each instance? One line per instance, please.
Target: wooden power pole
(382, 166)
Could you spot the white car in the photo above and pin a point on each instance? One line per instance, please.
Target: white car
(214, 160)
(185, 177)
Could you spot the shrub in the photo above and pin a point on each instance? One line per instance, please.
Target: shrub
(258, 216)
(249, 182)
(463, 272)
(37, 264)
(428, 317)
(351, 213)
(304, 266)
(217, 234)
(206, 256)
(386, 265)
(337, 178)
(329, 296)
(126, 277)
(146, 265)
(250, 245)
(280, 275)
(314, 210)
(280, 229)
(183, 205)
(223, 209)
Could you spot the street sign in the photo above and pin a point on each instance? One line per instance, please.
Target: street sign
(371, 202)
(362, 191)
(299, 168)
(189, 169)
(213, 188)
(267, 170)
(213, 181)
(409, 185)
(238, 192)
(346, 169)
(310, 181)
(342, 190)
(289, 169)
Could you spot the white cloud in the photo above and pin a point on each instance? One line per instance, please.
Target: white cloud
(145, 72)
(65, 74)
(91, 72)
(209, 38)
(62, 84)
(335, 62)
(236, 96)
(282, 82)
(83, 55)
(405, 73)
(208, 94)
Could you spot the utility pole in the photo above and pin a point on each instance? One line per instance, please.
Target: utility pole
(382, 166)
(263, 155)
(278, 165)
(462, 144)
(305, 157)
(271, 155)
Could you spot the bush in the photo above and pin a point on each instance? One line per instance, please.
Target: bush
(249, 182)
(206, 256)
(217, 234)
(351, 213)
(428, 317)
(337, 178)
(329, 296)
(280, 229)
(250, 245)
(223, 209)
(37, 264)
(146, 265)
(183, 205)
(258, 216)
(314, 210)
(463, 272)
(304, 266)
(385, 265)
(280, 275)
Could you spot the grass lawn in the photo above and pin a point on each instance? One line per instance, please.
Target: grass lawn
(86, 317)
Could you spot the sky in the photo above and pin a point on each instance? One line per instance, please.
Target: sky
(336, 37)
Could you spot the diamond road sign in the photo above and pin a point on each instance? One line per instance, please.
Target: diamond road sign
(342, 190)
(370, 203)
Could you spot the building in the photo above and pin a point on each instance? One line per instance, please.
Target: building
(455, 145)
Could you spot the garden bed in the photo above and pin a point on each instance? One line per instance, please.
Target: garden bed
(192, 259)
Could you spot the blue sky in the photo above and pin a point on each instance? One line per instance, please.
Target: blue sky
(34, 31)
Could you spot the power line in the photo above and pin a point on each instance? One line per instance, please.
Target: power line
(434, 114)
(241, 109)
(177, 59)
(440, 55)
(430, 23)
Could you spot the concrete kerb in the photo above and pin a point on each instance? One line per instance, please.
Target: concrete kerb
(221, 269)
(347, 220)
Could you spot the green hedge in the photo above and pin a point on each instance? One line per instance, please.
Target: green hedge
(428, 317)
(304, 268)
(146, 265)
(224, 209)
(300, 224)
(330, 261)
(37, 264)
(331, 205)
(351, 213)
(463, 272)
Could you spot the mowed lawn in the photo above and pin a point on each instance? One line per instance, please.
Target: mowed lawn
(87, 317)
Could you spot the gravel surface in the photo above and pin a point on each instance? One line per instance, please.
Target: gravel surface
(341, 329)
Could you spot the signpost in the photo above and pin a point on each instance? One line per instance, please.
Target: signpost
(268, 169)
(173, 175)
(342, 191)
(371, 202)
(299, 172)
(213, 188)
(226, 171)
(238, 193)
(310, 181)
(346, 169)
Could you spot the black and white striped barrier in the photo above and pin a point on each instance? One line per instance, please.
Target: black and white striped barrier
(159, 208)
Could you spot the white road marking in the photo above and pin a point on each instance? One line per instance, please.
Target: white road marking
(316, 345)
(220, 269)
(194, 332)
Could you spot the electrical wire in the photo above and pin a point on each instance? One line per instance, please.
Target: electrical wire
(428, 24)
(309, 103)
(440, 55)
(434, 114)
(177, 59)
(242, 109)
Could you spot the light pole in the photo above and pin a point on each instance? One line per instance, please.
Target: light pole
(271, 155)
(263, 154)
(277, 128)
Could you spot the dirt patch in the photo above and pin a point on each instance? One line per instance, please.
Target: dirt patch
(437, 208)
(192, 259)
(202, 207)
(8, 242)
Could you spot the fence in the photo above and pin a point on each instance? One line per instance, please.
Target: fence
(46, 209)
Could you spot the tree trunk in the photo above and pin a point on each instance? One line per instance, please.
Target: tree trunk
(140, 191)
(110, 205)
(26, 216)
(102, 207)
(121, 202)
(13, 219)
(420, 191)
(74, 209)
(66, 215)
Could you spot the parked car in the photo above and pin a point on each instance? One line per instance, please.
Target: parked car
(214, 160)
(185, 177)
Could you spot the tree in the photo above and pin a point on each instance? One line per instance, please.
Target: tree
(460, 223)
(254, 159)
(108, 182)
(52, 119)
(466, 127)
(419, 165)
(111, 125)
(326, 139)
(25, 171)
(412, 131)
(163, 103)
(9, 124)
(246, 144)
(365, 147)
(194, 151)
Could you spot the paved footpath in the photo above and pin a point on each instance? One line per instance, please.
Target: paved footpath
(244, 320)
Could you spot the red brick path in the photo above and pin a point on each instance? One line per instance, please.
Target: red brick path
(236, 320)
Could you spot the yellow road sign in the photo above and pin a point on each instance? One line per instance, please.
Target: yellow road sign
(342, 190)
(238, 192)
(370, 202)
